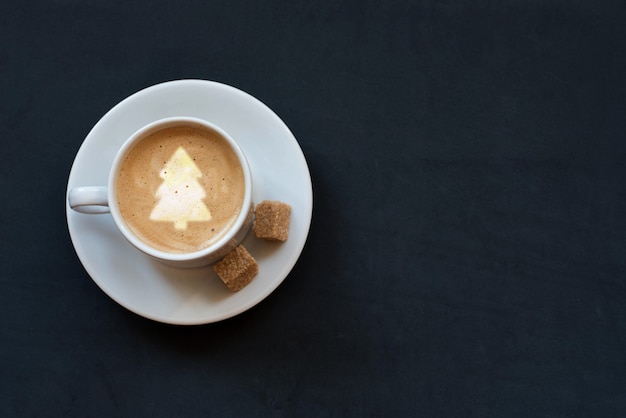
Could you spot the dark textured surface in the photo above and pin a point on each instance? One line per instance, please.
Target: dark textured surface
(466, 256)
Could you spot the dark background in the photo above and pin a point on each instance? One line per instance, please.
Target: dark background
(468, 244)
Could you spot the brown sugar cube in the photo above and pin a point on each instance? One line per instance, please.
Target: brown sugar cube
(271, 220)
(237, 268)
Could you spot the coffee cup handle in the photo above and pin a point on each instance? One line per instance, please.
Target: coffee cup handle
(89, 199)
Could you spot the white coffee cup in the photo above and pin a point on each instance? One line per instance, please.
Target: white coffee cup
(102, 199)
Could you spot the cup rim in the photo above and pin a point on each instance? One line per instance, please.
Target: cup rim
(235, 228)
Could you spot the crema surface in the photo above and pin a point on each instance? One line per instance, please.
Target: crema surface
(180, 188)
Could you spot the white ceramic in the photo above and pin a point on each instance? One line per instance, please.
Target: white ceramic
(96, 199)
(191, 296)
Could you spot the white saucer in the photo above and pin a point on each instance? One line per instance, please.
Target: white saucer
(191, 296)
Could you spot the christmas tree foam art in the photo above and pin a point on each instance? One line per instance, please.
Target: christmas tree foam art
(180, 195)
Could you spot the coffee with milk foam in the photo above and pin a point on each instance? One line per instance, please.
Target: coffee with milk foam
(180, 188)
